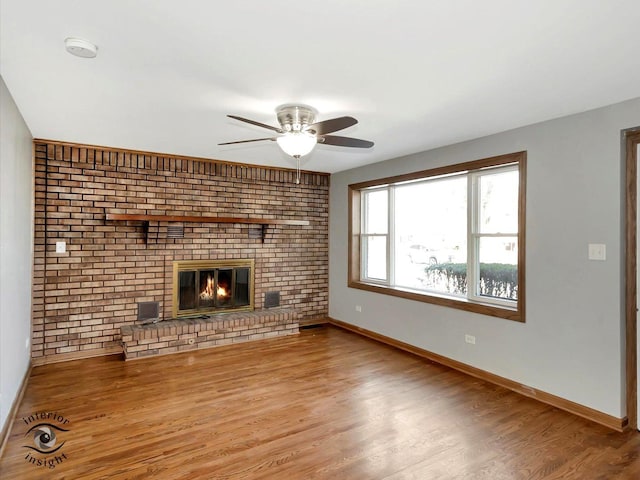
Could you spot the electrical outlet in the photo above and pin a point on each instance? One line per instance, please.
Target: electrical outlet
(358, 308)
(597, 251)
(470, 339)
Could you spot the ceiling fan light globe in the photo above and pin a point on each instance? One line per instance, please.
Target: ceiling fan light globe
(297, 144)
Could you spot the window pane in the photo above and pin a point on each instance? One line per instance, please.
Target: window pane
(375, 261)
(499, 202)
(498, 258)
(376, 204)
(431, 235)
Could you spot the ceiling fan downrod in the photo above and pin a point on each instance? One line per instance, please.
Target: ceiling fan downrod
(297, 157)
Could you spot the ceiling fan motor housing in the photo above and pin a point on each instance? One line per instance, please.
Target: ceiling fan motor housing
(295, 118)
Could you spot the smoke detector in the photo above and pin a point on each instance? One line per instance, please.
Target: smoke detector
(80, 48)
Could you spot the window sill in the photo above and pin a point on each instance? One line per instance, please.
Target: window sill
(515, 314)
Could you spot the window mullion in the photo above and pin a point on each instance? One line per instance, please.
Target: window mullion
(363, 236)
(472, 247)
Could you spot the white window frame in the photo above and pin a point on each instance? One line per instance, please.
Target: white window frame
(474, 235)
(365, 235)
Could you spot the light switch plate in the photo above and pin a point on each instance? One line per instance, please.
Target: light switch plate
(61, 247)
(597, 251)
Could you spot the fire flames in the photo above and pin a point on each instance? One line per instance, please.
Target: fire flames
(208, 291)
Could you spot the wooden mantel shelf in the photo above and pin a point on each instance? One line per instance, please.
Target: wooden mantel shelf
(146, 219)
(198, 219)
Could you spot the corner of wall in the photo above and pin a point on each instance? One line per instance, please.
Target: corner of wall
(16, 254)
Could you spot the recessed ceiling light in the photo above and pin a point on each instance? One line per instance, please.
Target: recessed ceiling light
(80, 48)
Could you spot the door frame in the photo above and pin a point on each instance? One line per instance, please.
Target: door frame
(632, 141)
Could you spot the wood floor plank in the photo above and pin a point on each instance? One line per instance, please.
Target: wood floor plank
(327, 404)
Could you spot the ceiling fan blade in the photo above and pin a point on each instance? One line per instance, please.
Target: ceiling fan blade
(253, 122)
(344, 141)
(247, 141)
(332, 125)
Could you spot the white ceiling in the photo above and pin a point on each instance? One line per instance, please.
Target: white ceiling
(416, 74)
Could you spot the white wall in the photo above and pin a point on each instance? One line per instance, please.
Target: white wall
(572, 344)
(16, 249)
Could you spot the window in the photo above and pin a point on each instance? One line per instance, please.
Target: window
(452, 236)
(375, 237)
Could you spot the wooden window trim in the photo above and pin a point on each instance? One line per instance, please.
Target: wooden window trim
(354, 205)
(632, 142)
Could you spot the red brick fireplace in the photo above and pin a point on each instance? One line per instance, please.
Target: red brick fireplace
(84, 296)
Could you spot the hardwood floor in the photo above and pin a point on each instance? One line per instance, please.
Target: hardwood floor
(327, 404)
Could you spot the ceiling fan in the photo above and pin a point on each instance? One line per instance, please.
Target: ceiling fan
(299, 133)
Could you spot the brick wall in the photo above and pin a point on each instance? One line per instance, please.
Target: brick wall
(83, 297)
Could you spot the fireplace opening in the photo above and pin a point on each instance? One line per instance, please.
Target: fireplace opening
(212, 286)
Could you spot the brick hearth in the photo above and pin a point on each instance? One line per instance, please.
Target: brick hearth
(216, 330)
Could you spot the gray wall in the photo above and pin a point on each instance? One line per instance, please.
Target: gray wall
(572, 344)
(16, 249)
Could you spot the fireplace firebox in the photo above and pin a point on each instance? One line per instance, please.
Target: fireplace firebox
(212, 286)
